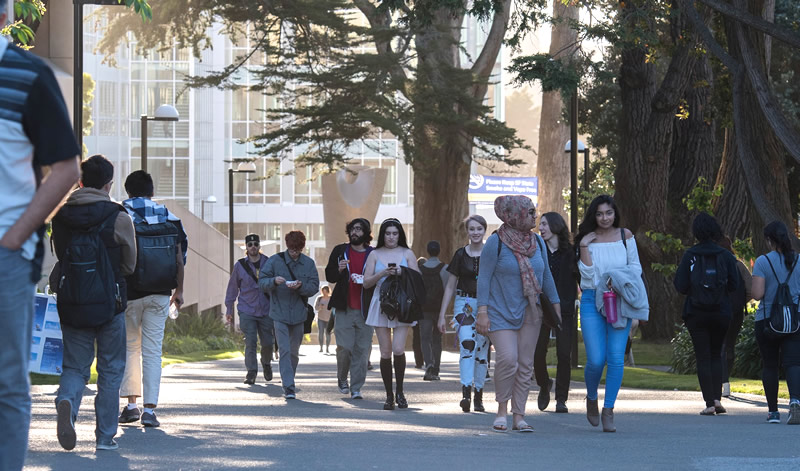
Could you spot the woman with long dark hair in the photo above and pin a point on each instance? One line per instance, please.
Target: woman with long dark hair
(514, 273)
(707, 274)
(390, 257)
(561, 259)
(779, 265)
(604, 247)
(474, 347)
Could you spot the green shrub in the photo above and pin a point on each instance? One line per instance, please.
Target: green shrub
(683, 361)
(748, 357)
(191, 333)
(747, 363)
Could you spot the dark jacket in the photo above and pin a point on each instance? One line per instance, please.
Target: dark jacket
(88, 207)
(342, 279)
(413, 286)
(683, 281)
(565, 273)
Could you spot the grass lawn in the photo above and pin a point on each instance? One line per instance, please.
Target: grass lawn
(642, 378)
(38, 379)
(658, 354)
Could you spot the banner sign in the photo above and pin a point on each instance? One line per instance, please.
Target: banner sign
(47, 348)
(485, 188)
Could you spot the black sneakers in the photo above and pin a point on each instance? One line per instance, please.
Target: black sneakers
(65, 427)
(149, 420)
(129, 415)
(544, 394)
(251, 377)
(267, 372)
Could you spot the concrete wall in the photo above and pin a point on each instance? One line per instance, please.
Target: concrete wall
(206, 276)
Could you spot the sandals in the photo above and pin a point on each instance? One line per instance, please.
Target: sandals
(500, 425)
(522, 427)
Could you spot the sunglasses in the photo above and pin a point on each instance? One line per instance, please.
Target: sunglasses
(253, 244)
(532, 212)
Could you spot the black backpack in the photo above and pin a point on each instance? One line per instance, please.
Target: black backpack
(87, 292)
(783, 318)
(156, 255)
(434, 288)
(708, 281)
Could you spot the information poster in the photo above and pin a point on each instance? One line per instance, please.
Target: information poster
(47, 348)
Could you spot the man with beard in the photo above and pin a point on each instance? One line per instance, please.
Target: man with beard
(253, 306)
(349, 303)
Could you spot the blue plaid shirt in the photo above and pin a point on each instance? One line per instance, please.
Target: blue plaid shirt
(148, 211)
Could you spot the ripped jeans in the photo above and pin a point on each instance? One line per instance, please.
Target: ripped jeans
(473, 346)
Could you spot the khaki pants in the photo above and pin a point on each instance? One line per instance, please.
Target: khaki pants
(144, 323)
(514, 360)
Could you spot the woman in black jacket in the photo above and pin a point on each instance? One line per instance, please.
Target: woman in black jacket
(707, 273)
(561, 258)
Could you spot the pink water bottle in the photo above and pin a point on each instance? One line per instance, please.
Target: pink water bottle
(610, 306)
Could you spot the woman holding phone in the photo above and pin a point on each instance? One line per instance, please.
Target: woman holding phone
(390, 257)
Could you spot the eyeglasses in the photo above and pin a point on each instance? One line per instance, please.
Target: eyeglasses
(253, 244)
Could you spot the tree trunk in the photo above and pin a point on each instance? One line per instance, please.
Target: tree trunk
(770, 172)
(733, 209)
(552, 165)
(642, 174)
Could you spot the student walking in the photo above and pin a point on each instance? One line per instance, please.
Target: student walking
(778, 267)
(253, 306)
(157, 282)
(435, 276)
(561, 259)
(290, 278)
(514, 272)
(707, 274)
(473, 347)
(35, 132)
(738, 300)
(609, 263)
(390, 257)
(92, 302)
(323, 310)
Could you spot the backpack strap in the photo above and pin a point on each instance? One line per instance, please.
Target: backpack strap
(787, 276)
(247, 268)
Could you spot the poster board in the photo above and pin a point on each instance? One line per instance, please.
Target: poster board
(47, 348)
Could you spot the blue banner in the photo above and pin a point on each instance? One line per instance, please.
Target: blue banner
(485, 188)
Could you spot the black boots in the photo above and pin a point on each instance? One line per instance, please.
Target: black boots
(466, 392)
(478, 402)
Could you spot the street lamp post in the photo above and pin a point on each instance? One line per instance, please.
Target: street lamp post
(163, 113)
(585, 150)
(211, 199)
(245, 167)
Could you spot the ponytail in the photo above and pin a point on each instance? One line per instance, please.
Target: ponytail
(777, 232)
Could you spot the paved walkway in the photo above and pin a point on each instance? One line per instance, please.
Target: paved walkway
(211, 421)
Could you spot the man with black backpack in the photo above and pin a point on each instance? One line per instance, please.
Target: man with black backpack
(435, 275)
(95, 244)
(161, 246)
(707, 273)
(254, 320)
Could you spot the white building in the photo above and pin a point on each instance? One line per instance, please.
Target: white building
(189, 160)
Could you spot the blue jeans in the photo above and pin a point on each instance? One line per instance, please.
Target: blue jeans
(79, 351)
(604, 345)
(16, 317)
(255, 328)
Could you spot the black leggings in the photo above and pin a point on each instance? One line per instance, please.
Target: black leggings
(708, 334)
(729, 349)
(774, 353)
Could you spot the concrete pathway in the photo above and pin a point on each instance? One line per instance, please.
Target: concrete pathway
(211, 421)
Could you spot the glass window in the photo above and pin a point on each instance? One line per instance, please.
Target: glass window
(161, 171)
(182, 178)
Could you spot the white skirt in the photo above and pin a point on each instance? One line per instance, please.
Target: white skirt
(376, 317)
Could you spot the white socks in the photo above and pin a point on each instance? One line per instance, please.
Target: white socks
(131, 406)
(147, 410)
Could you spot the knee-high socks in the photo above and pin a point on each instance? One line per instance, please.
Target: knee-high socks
(399, 373)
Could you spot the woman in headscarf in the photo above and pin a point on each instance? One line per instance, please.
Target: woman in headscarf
(514, 272)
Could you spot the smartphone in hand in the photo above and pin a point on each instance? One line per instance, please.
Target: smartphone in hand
(392, 265)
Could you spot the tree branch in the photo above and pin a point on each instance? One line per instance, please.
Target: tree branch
(384, 47)
(754, 22)
(484, 64)
(783, 129)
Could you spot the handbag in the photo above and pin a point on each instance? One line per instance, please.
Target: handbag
(309, 308)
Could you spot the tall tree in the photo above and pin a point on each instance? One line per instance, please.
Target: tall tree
(552, 167)
(345, 70)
